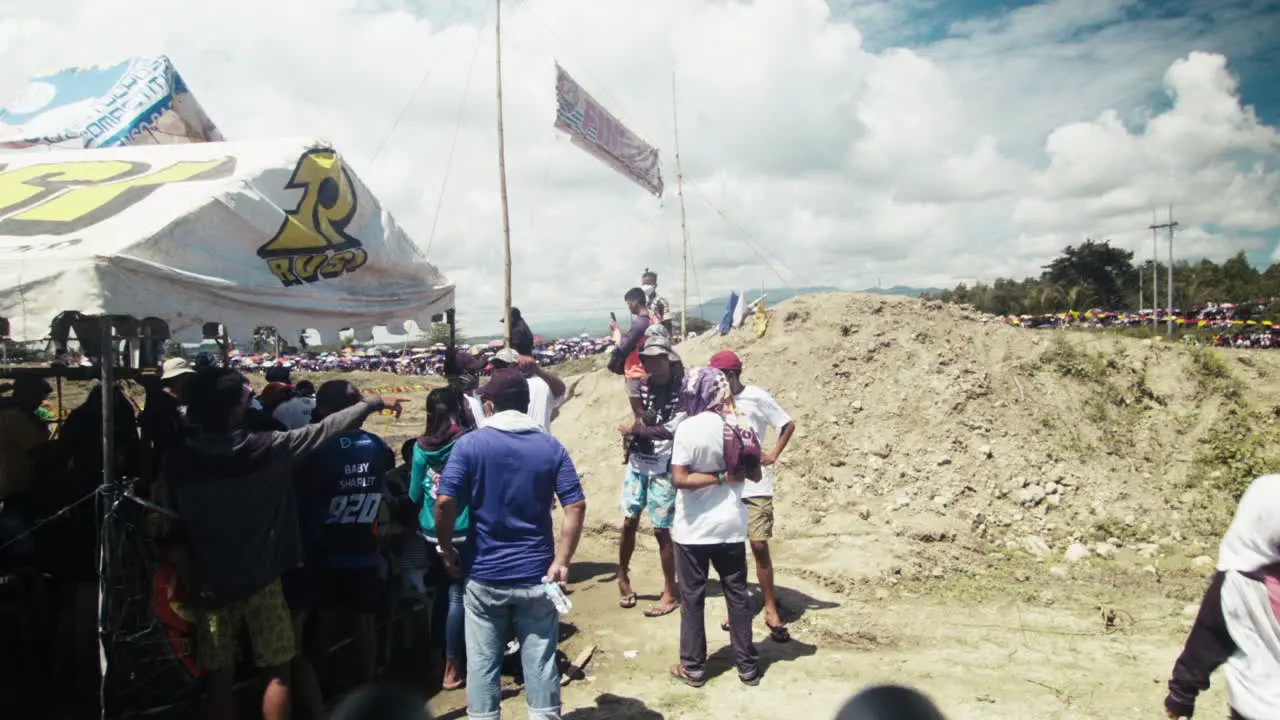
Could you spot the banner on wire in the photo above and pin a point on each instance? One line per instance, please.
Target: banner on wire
(595, 130)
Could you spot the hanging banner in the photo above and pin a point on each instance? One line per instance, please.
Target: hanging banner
(595, 130)
(143, 101)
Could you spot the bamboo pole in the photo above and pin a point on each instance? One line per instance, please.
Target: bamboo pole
(502, 184)
(684, 228)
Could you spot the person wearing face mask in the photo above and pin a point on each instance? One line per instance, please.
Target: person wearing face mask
(658, 306)
(509, 474)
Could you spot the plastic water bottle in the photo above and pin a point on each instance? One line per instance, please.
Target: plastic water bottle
(557, 596)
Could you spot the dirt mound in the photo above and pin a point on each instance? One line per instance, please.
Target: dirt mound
(934, 440)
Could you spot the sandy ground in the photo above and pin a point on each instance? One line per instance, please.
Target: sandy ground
(1001, 658)
(945, 469)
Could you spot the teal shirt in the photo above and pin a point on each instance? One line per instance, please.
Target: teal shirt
(424, 478)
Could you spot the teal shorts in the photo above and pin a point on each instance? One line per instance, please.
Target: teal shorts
(652, 491)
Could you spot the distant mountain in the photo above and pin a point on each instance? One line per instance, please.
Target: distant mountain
(902, 290)
(711, 310)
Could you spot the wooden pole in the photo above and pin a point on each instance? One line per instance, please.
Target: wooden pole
(684, 228)
(502, 184)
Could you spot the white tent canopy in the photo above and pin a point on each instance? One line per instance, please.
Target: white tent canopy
(246, 234)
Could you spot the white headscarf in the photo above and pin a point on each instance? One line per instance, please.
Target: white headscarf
(1251, 544)
(1253, 540)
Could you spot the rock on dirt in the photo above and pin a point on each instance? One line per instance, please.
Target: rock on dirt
(1036, 545)
(1076, 552)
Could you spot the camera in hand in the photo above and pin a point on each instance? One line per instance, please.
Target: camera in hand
(644, 446)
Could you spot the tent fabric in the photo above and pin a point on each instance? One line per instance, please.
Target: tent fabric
(277, 233)
(143, 101)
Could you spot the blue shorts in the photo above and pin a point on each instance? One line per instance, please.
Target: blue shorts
(652, 491)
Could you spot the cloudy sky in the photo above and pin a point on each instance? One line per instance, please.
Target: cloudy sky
(917, 142)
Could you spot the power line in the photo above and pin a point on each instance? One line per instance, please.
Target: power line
(408, 103)
(747, 239)
(453, 144)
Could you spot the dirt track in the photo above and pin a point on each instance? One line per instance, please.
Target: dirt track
(1004, 659)
(1019, 523)
(945, 469)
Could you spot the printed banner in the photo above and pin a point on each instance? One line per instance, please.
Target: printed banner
(595, 130)
(142, 101)
(239, 233)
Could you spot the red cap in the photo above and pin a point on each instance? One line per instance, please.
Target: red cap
(726, 360)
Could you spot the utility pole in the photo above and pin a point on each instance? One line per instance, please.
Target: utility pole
(1155, 275)
(1154, 230)
(502, 188)
(684, 227)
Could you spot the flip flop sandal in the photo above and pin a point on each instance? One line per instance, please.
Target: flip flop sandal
(725, 626)
(658, 611)
(779, 633)
(678, 672)
(628, 601)
(451, 688)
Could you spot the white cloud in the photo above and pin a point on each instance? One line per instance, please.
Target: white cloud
(976, 155)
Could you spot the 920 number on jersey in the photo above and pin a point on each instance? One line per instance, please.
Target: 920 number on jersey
(354, 509)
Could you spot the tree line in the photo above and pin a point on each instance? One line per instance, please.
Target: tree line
(1095, 275)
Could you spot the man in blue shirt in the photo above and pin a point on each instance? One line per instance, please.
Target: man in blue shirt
(510, 473)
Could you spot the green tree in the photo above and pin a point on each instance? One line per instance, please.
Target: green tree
(1099, 270)
(439, 333)
(694, 324)
(264, 340)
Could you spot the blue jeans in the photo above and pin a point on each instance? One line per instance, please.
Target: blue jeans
(492, 613)
(449, 619)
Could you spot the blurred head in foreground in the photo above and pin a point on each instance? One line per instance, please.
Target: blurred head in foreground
(889, 702)
(379, 702)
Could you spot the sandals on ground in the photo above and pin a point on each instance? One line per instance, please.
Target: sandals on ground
(658, 611)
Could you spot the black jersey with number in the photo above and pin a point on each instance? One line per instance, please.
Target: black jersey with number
(340, 492)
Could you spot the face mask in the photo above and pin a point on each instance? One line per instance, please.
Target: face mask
(648, 289)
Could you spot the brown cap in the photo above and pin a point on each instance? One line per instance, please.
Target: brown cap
(508, 385)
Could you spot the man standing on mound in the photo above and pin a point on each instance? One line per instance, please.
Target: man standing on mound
(762, 412)
(648, 480)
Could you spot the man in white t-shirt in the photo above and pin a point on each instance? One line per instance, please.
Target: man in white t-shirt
(546, 391)
(462, 370)
(762, 412)
(709, 528)
(296, 411)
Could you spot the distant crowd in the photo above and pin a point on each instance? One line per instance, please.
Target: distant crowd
(1238, 324)
(416, 360)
